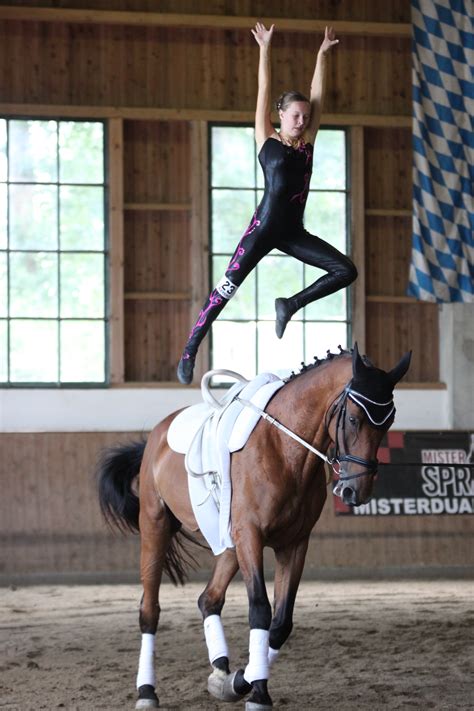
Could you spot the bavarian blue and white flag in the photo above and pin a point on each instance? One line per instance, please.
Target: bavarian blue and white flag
(442, 266)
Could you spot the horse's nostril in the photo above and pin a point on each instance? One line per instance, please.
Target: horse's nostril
(348, 495)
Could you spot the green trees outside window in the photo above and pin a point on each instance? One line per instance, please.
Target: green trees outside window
(243, 337)
(52, 252)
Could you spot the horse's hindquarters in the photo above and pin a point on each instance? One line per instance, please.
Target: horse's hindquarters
(171, 484)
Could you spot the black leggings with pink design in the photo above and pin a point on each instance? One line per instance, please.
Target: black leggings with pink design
(254, 245)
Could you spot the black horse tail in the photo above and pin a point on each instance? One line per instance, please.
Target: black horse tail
(117, 470)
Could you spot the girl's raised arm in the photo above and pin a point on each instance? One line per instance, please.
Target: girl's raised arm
(318, 83)
(263, 124)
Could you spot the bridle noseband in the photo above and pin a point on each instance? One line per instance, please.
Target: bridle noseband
(362, 401)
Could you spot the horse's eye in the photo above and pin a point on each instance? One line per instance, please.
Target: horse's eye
(352, 420)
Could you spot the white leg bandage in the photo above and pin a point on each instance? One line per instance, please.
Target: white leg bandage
(146, 663)
(272, 656)
(226, 288)
(257, 668)
(215, 638)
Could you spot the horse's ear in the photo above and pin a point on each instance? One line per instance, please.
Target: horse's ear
(400, 369)
(358, 366)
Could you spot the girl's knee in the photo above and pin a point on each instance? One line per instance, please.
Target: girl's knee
(348, 272)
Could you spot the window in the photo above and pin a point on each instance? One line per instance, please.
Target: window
(52, 252)
(243, 338)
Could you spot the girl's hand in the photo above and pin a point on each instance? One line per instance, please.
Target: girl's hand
(329, 40)
(262, 35)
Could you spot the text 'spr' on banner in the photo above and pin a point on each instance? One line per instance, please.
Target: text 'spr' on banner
(442, 264)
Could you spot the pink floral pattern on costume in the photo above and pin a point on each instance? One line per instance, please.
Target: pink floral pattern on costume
(215, 299)
(304, 148)
(301, 197)
(234, 264)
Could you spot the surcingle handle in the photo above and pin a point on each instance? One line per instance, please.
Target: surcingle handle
(207, 396)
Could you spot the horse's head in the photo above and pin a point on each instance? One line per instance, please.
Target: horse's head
(362, 414)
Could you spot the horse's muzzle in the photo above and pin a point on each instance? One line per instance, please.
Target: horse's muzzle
(349, 496)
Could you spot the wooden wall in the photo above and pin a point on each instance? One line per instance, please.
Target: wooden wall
(50, 523)
(157, 201)
(395, 323)
(102, 65)
(372, 10)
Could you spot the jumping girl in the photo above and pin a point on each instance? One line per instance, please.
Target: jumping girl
(286, 158)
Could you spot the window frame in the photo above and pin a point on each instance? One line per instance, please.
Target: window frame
(105, 252)
(349, 242)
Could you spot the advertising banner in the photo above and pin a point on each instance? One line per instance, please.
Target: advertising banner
(421, 473)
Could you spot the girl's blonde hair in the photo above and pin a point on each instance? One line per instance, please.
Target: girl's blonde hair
(288, 97)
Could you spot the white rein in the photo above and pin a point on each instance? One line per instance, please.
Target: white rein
(284, 429)
(211, 400)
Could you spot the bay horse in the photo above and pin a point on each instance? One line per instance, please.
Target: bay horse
(278, 493)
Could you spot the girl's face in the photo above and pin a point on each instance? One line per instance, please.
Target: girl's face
(295, 118)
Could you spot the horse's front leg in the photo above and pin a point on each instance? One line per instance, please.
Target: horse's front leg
(211, 602)
(288, 570)
(250, 556)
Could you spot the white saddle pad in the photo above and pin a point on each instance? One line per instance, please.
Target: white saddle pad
(207, 436)
(184, 427)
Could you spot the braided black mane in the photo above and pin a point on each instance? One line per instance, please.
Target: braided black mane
(319, 361)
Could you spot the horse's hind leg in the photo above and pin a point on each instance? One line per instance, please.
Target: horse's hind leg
(211, 602)
(155, 534)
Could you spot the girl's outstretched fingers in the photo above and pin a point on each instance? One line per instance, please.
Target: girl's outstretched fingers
(261, 34)
(329, 39)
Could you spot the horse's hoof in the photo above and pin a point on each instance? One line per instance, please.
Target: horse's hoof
(252, 706)
(147, 699)
(221, 686)
(147, 704)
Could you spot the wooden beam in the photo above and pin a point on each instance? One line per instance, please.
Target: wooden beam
(381, 212)
(215, 22)
(199, 251)
(157, 295)
(116, 252)
(187, 114)
(158, 206)
(382, 299)
(357, 227)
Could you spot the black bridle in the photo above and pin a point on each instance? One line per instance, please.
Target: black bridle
(365, 403)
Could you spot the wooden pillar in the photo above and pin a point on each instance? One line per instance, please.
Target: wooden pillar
(357, 222)
(199, 252)
(116, 251)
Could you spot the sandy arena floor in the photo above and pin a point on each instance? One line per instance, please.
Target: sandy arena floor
(390, 645)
